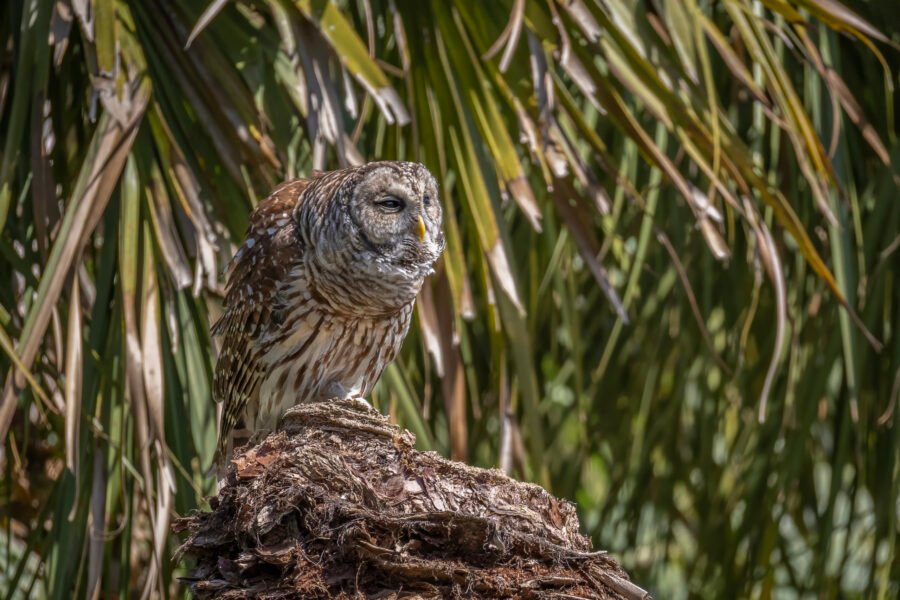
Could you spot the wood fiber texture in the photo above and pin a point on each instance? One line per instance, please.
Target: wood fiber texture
(339, 504)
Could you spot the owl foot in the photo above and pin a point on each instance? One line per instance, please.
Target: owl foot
(363, 401)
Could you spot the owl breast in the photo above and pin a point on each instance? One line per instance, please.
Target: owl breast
(316, 354)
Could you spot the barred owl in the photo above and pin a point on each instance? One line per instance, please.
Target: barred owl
(320, 295)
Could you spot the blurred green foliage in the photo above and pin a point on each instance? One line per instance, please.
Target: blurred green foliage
(654, 210)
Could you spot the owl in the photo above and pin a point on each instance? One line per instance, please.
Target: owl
(320, 296)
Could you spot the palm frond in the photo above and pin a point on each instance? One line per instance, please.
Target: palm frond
(671, 240)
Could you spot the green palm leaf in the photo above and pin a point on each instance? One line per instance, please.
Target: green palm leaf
(665, 220)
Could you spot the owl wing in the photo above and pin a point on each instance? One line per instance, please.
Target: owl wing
(254, 275)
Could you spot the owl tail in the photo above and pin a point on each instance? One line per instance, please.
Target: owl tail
(222, 457)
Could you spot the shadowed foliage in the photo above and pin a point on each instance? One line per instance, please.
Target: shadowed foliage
(654, 211)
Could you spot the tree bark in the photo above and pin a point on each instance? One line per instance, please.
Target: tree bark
(339, 504)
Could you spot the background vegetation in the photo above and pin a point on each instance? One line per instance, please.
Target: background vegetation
(655, 210)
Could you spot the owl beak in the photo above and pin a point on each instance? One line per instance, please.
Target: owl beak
(420, 229)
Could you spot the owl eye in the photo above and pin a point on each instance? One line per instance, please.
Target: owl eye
(390, 204)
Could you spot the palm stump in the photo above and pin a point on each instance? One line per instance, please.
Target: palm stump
(338, 504)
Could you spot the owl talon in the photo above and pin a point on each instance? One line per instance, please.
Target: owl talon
(364, 402)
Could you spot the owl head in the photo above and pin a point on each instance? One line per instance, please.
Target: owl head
(376, 227)
(394, 211)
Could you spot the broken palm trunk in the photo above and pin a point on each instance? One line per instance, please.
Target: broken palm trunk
(338, 504)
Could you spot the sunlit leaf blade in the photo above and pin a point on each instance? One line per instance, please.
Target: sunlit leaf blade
(671, 234)
(352, 52)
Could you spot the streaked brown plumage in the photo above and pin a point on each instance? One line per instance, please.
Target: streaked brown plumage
(320, 296)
